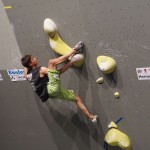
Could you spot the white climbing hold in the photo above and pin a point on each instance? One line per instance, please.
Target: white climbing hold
(116, 94)
(100, 80)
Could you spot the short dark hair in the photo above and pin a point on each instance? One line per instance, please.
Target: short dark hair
(26, 60)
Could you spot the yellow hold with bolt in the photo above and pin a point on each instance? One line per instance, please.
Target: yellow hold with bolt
(115, 137)
(57, 44)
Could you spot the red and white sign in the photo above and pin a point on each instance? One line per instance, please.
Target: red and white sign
(143, 73)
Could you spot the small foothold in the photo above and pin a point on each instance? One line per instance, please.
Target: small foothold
(100, 80)
(112, 125)
(116, 94)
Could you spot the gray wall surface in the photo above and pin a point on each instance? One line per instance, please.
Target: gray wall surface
(119, 29)
(10, 53)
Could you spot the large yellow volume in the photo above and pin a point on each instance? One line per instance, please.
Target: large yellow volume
(56, 43)
(115, 137)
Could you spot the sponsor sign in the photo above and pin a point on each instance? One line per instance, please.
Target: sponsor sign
(143, 73)
(16, 74)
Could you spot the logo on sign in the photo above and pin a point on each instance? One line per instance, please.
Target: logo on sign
(15, 72)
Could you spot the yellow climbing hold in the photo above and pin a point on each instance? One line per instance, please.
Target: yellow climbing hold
(114, 137)
(100, 80)
(56, 43)
(116, 94)
(106, 64)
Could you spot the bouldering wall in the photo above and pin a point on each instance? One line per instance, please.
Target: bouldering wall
(118, 29)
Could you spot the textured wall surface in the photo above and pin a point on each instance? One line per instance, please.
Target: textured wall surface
(119, 29)
(10, 53)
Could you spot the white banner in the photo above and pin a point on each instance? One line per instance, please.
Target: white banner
(16, 74)
(143, 73)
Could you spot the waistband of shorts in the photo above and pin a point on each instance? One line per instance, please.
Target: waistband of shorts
(53, 71)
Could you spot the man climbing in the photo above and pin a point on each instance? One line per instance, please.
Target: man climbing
(46, 81)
